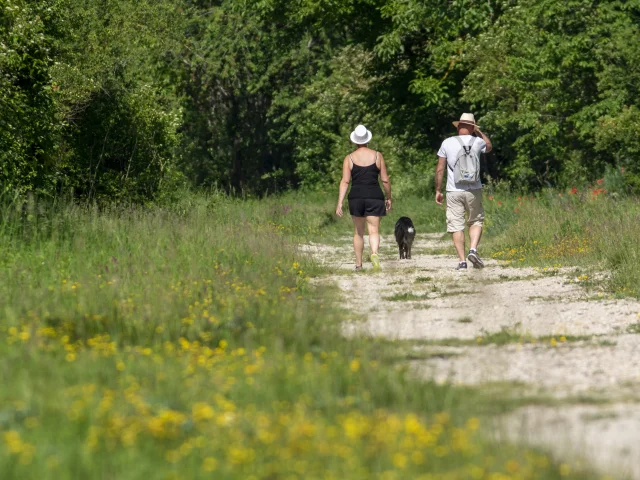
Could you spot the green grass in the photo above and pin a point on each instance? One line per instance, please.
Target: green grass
(185, 341)
(312, 216)
(546, 298)
(504, 336)
(424, 279)
(554, 229)
(634, 328)
(406, 297)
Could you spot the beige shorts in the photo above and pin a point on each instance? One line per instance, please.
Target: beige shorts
(459, 203)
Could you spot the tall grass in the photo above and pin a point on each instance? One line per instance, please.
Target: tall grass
(588, 229)
(186, 342)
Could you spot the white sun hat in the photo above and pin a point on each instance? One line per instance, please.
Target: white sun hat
(468, 119)
(360, 135)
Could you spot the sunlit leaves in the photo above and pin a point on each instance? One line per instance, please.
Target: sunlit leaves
(548, 74)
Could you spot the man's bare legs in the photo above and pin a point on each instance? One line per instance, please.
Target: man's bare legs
(458, 241)
(373, 227)
(358, 238)
(475, 233)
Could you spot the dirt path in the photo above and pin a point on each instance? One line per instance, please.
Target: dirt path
(538, 332)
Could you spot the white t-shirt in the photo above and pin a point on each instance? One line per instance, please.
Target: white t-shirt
(449, 150)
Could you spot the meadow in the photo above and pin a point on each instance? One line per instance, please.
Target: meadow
(586, 228)
(185, 341)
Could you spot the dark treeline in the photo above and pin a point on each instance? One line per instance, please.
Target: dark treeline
(136, 99)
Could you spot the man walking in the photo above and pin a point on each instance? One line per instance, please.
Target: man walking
(461, 155)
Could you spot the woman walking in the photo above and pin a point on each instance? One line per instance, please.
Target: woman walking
(367, 203)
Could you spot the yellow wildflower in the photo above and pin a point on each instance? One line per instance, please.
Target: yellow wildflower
(355, 365)
(473, 424)
(399, 460)
(209, 464)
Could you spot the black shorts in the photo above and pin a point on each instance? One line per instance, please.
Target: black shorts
(367, 207)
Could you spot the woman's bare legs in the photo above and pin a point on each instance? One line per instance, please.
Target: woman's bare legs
(373, 226)
(358, 238)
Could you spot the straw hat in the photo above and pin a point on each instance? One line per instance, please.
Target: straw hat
(360, 135)
(467, 119)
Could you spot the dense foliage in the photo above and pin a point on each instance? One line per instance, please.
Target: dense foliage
(117, 99)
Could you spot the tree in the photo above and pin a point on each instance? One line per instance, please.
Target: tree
(550, 76)
(29, 133)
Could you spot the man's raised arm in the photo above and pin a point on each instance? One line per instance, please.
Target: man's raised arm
(486, 140)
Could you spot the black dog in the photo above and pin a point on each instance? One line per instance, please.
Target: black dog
(405, 233)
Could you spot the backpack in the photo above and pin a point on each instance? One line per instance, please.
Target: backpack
(467, 167)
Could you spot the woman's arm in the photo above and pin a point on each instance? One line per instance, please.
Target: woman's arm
(386, 183)
(344, 184)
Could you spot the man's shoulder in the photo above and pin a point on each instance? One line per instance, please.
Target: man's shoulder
(447, 148)
(450, 140)
(469, 139)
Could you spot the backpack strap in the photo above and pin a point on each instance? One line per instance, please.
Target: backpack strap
(467, 148)
(473, 139)
(464, 147)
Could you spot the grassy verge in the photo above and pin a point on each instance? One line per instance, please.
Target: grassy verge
(504, 336)
(185, 342)
(587, 229)
(312, 215)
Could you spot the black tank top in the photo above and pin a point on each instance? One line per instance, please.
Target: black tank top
(364, 181)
